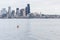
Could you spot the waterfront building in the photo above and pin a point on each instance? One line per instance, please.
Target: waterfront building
(22, 12)
(4, 12)
(17, 12)
(27, 9)
(9, 12)
(13, 14)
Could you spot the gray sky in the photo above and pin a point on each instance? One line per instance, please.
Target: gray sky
(44, 6)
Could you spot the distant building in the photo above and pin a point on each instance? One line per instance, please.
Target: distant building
(27, 9)
(9, 12)
(31, 15)
(13, 14)
(4, 12)
(22, 12)
(34, 15)
(17, 12)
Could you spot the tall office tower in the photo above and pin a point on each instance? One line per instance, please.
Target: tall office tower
(13, 13)
(9, 12)
(27, 9)
(22, 12)
(4, 12)
(17, 12)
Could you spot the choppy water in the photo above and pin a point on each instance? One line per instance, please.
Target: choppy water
(30, 29)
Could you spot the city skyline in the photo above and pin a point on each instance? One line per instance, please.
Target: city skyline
(24, 13)
(17, 13)
(44, 6)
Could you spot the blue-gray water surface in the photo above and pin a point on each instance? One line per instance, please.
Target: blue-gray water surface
(30, 29)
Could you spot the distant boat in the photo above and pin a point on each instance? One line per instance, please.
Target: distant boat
(17, 26)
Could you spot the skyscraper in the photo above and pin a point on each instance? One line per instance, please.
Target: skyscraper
(4, 12)
(13, 13)
(9, 12)
(22, 12)
(17, 12)
(27, 9)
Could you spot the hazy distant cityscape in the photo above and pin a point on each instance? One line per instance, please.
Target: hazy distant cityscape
(24, 13)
